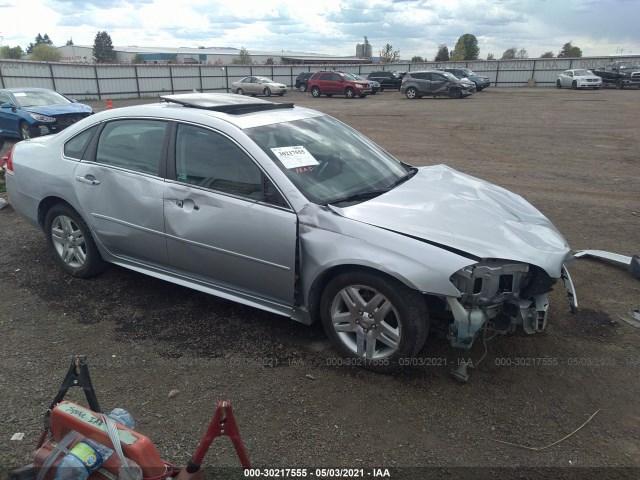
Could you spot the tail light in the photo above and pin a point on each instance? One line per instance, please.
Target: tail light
(8, 160)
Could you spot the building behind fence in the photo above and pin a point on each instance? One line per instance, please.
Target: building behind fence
(100, 81)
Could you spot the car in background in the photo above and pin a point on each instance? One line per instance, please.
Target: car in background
(479, 81)
(258, 86)
(330, 83)
(291, 211)
(32, 112)
(386, 79)
(578, 78)
(302, 79)
(435, 83)
(375, 86)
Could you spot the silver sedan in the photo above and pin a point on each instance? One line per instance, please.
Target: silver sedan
(258, 86)
(291, 211)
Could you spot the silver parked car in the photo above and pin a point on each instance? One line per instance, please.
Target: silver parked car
(289, 210)
(258, 86)
(579, 78)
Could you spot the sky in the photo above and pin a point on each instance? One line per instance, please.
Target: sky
(332, 27)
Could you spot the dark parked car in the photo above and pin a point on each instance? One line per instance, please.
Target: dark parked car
(332, 83)
(386, 79)
(302, 79)
(435, 83)
(31, 112)
(375, 86)
(480, 81)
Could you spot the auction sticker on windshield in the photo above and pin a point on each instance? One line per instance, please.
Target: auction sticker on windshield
(294, 157)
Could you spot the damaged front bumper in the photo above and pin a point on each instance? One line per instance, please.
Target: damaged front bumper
(503, 295)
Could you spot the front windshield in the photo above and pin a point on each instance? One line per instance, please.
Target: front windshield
(348, 76)
(36, 98)
(582, 73)
(468, 72)
(450, 76)
(326, 159)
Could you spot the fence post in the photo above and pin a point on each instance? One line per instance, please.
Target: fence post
(95, 72)
(171, 78)
(200, 77)
(53, 80)
(135, 69)
(226, 76)
(497, 72)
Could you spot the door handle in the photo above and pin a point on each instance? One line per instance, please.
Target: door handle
(88, 179)
(187, 204)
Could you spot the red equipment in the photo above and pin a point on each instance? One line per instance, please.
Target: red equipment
(64, 417)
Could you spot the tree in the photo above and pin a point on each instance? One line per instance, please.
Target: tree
(389, 55)
(137, 58)
(466, 48)
(244, 58)
(522, 53)
(45, 53)
(269, 61)
(69, 42)
(509, 53)
(11, 53)
(103, 51)
(417, 59)
(569, 50)
(40, 40)
(547, 55)
(490, 56)
(443, 53)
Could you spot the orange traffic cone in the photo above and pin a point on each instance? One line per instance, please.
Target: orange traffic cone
(109, 103)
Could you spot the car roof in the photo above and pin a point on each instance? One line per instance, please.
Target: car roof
(241, 111)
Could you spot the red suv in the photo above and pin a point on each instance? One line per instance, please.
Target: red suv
(337, 83)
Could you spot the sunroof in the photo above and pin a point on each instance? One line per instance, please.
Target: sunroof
(224, 102)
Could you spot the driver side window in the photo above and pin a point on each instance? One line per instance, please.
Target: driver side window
(211, 160)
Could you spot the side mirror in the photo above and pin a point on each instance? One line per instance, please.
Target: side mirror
(6, 105)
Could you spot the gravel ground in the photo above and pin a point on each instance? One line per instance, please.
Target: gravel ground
(573, 154)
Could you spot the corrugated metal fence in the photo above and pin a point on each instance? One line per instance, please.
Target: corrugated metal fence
(91, 81)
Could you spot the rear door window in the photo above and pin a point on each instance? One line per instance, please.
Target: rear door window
(75, 147)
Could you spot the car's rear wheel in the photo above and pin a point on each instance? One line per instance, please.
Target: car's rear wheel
(411, 93)
(71, 242)
(267, 92)
(303, 87)
(240, 91)
(455, 93)
(558, 84)
(362, 95)
(25, 131)
(574, 85)
(373, 319)
(620, 84)
(349, 93)
(479, 89)
(315, 92)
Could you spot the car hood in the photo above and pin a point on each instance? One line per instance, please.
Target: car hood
(456, 211)
(61, 109)
(585, 77)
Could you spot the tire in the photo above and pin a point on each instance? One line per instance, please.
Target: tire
(349, 93)
(303, 87)
(315, 92)
(558, 84)
(620, 84)
(25, 131)
(240, 91)
(455, 93)
(71, 243)
(411, 93)
(479, 89)
(363, 95)
(267, 92)
(574, 85)
(381, 89)
(374, 319)
(329, 95)
(280, 94)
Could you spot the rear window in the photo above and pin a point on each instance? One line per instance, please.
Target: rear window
(75, 147)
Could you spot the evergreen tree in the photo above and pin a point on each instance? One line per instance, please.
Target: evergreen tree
(466, 48)
(443, 54)
(103, 51)
(40, 40)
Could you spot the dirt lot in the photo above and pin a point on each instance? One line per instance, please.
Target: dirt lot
(573, 154)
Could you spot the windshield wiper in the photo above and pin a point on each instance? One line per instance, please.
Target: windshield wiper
(369, 194)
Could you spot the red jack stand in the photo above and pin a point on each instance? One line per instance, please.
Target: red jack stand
(223, 423)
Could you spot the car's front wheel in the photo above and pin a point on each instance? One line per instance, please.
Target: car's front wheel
(349, 93)
(315, 92)
(267, 92)
(25, 131)
(373, 319)
(240, 91)
(411, 93)
(558, 84)
(71, 242)
(303, 87)
(574, 85)
(455, 93)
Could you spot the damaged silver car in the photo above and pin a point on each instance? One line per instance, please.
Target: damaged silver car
(290, 210)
